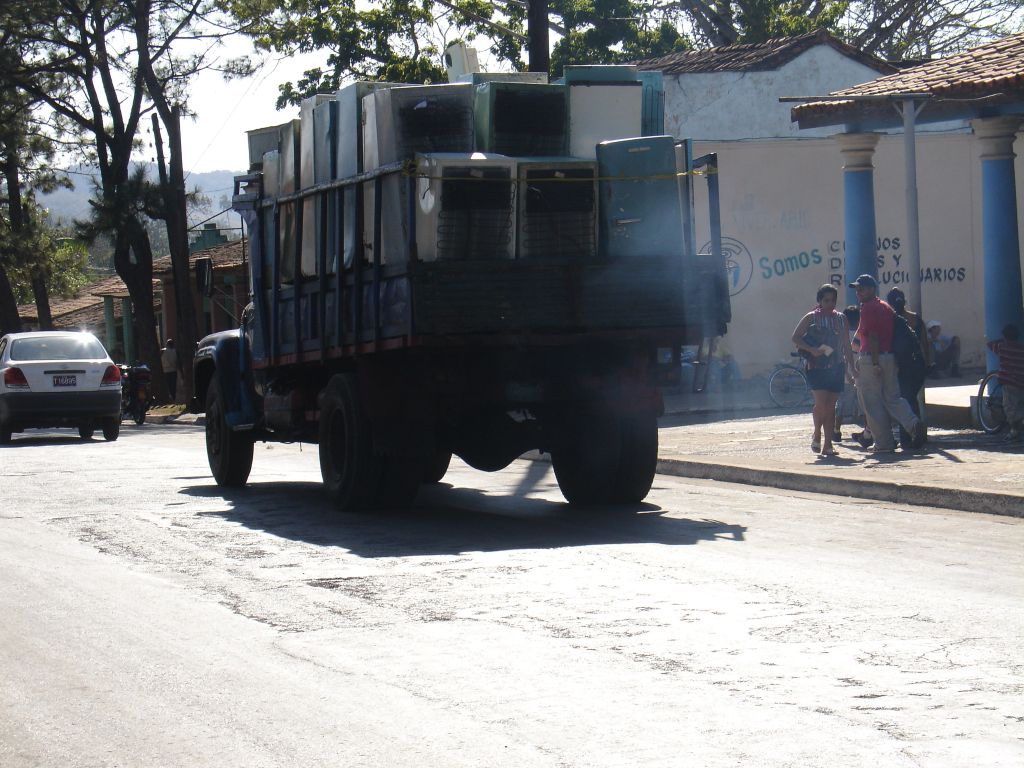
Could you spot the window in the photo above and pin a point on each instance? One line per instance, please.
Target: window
(83, 347)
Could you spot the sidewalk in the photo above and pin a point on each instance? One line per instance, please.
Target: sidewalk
(734, 437)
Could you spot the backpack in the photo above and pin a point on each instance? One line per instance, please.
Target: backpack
(906, 348)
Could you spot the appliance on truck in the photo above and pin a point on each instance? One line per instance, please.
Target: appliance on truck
(422, 295)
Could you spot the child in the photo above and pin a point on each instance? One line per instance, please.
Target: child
(1011, 376)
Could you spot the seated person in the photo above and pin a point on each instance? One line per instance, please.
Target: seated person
(945, 351)
(725, 367)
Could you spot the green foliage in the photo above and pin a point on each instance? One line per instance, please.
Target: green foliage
(41, 250)
(391, 40)
(760, 20)
(611, 32)
(64, 267)
(402, 40)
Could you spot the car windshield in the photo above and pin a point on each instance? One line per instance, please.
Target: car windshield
(57, 348)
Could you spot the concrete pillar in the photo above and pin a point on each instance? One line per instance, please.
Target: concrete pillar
(129, 336)
(110, 323)
(1000, 240)
(169, 303)
(857, 150)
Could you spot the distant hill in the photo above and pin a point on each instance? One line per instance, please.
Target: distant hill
(66, 205)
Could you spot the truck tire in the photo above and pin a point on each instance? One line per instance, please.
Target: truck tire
(638, 459)
(85, 431)
(437, 467)
(350, 471)
(399, 482)
(586, 459)
(229, 453)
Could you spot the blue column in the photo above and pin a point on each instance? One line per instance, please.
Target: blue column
(859, 206)
(1004, 302)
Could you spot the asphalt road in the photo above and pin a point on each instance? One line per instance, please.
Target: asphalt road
(150, 619)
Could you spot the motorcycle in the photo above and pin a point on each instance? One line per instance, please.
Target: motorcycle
(135, 397)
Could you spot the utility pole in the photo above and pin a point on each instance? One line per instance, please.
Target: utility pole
(537, 31)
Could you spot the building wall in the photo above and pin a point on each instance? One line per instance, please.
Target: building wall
(782, 219)
(745, 105)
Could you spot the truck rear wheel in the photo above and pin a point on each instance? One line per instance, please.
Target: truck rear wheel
(351, 472)
(586, 460)
(229, 453)
(399, 481)
(437, 467)
(638, 459)
(607, 459)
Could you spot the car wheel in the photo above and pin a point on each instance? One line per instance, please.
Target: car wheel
(111, 428)
(5, 433)
(85, 432)
(229, 453)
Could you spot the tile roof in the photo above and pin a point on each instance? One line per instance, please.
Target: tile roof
(87, 304)
(225, 256)
(993, 72)
(753, 57)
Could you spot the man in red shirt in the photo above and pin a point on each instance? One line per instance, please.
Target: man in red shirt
(877, 381)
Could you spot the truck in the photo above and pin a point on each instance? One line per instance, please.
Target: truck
(477, 269)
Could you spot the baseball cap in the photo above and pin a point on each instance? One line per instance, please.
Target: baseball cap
(934, 324)
(864, 281)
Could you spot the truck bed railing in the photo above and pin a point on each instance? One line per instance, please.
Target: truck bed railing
(340, 310)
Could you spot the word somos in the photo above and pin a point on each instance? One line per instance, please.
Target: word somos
(783, 266)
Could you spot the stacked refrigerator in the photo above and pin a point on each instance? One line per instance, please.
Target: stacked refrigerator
(465, 207)
(521, 119)
(639, 198)
(556, 208)
(398, 123)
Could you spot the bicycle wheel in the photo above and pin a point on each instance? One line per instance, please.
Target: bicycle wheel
(787, 386)
(989, 404)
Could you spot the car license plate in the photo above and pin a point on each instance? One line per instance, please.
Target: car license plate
(65, 380)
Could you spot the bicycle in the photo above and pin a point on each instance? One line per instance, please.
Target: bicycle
(787, 385)
(989, 404)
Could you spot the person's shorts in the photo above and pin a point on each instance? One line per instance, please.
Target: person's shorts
(831, 379)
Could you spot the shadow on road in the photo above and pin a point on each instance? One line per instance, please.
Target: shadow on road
(448, 520)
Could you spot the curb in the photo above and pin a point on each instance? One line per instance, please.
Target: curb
(988, 502)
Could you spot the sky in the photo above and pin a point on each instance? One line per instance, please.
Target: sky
(216, 140)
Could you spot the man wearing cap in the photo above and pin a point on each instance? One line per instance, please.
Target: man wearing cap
(945, 351)
(876, 371)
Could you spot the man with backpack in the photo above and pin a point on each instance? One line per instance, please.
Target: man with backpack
(876, 371)
(909, 349)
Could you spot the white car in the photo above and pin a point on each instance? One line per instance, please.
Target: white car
(58, 379)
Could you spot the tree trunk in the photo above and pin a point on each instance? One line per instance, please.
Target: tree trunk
(537, 32)
(177, 237)
(138, 278)
(10, 321)
(42, 297)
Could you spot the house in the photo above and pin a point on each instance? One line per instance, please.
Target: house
(104, 307)
(731, 93)
(223, 308)
(785, 213)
